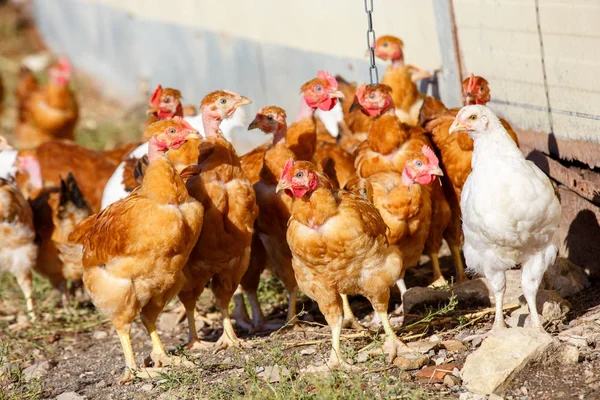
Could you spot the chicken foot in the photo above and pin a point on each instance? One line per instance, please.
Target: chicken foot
(130, 366)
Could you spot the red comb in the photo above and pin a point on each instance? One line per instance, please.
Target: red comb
(472, 82)
(329, 78)
(156, 95)
(64, 65)
(287, 167)
(433, 160)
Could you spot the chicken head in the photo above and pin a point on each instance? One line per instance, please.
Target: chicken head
(165, 103)
(321, 92)
(168, 134)
(298, 178)
(60, 72)
(473, 120)
(476, 90)
(423, 168)
(373, 100)
(269, 119)
(389, 48)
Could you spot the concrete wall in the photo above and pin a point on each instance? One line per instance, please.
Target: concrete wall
(264, 49)
(542, 58)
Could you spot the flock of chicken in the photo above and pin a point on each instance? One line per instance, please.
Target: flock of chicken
(330, 215)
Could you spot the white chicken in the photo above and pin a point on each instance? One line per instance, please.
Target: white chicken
(509, 208)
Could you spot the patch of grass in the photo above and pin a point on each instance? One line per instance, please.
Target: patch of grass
(12, 381)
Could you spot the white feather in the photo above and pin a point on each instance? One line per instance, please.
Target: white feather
(331, 118)
(8, 158)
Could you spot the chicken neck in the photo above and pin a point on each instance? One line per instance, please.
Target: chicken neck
(305, 111)
(57, 95)
(211, 123)
(398, 62)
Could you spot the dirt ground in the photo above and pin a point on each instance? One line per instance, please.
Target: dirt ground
(80, 352)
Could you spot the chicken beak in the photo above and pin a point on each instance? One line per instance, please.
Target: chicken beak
(253, 124)
(243, 101)
(336, 94)
(151, 110)
(193, 135)
(456, 127)
(355, 105)
(436, 171)
(282, 185)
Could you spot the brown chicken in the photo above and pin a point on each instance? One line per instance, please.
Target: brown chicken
(91, 171)
(339, 246)
(401, 78)
(357, 122)
(163, 104)
(129, 266)
(51, 112)
(405, 205)
(222, 253)
(1, 95)
(388, 145)
(18, 250)
(56, 212)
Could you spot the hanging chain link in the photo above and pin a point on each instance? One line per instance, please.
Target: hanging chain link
(373, 73)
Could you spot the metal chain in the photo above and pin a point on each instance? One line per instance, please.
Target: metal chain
(373, 72)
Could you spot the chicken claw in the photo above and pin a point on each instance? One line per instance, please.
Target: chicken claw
(226, 342)
(162, 360)
(438, 283)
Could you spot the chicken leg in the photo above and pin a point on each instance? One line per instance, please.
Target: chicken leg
(350, 320)
(497, 280)
(532, 274)
(24, 281)
(438, 277)
(130, 365)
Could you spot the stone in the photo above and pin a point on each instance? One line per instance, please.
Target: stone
(435, 374)
(99, 335)
(471, 396)
(495, 397)
(421, 296)
(147, 387)
(568, 354)
(37, 370)
(69, 396)
(453, 345)
(577, 341)
(491, 368)
(550, 304)
(274, 373)
(308, 351)
(565, 277)
(410, 361)
(451, 380)
(474, 292)
(362, 357)
(101, 384)
(423, 347)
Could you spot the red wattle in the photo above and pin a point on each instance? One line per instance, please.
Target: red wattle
(425, 179)
(328, 104)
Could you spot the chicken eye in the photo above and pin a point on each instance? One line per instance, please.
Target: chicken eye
(223, 101)
(481, 89)
(419, 164)
(270, 117)
(299, 174)
(372, 96)
(318, 88)
(172, 131)
(166, 100)
(385, 44)
(473, 117)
